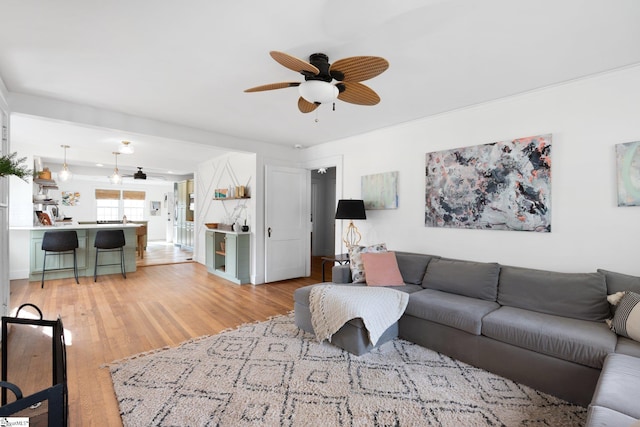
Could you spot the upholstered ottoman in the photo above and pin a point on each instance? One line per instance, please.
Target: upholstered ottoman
(352, 337)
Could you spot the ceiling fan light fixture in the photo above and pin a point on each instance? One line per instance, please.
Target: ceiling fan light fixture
(139, 174)
(126, 148)
(65, 173)
(318, 92)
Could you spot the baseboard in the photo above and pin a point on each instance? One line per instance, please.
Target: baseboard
(18, 274)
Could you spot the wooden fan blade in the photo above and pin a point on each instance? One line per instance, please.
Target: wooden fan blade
(358, 68)
(357, 93)
(293, 63)
(272, 86)
(305, 106)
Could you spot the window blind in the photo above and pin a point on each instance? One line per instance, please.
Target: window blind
(133, 195)
(108, 194)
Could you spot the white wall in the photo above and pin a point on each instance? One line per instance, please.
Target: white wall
(221, 172)
(587, 118)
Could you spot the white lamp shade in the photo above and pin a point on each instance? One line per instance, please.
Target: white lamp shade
(317, 91)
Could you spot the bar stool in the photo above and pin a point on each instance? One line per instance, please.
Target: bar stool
(59, 243)
(141, 232)
(109, 241)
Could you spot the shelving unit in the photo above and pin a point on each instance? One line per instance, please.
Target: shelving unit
(42, 186)
(232, 262)
(231, 198)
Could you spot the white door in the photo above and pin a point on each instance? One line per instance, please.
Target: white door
(287, 223)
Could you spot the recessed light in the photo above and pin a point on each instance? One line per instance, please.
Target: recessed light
(297, 146)
(99, 165)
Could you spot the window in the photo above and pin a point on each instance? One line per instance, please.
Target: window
(108, 205)
(112, 205)
(107, 210)
(133, 204)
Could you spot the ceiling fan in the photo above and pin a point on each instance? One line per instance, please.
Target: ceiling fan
(318, 87)
(141, 175)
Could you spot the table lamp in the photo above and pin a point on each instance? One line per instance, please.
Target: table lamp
(351, 209)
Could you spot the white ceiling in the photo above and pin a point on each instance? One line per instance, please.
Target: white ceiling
(188, 62)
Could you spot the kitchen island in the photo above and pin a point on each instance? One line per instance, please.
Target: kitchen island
(86, 253)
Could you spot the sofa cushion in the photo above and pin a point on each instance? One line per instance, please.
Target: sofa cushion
(628, 346)
(358, 274)
(467, 278)
(577, 295)
(382, 269)
(599, 416)
(618, 282)
(453, 310)
(413, 266)
(578, 341)
(341, 273)
(619, 385)
(626, 320)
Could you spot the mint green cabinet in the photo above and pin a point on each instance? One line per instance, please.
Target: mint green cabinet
(228, 255)
(56, 262)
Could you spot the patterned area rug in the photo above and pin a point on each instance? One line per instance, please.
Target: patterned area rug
(273, 374)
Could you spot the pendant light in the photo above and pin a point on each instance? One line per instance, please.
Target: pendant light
(65, 173)
(115, 178)
(126, 148)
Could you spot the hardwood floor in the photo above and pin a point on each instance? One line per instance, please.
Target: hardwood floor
(115, 318)
(161, 252)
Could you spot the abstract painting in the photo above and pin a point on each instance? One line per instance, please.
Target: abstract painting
(499, 186)
(628, 170)
(70, 198)
(380, 191)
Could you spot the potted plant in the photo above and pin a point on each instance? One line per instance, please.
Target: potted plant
(11, 165)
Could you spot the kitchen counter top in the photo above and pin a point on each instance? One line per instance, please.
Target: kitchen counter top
(73, 226)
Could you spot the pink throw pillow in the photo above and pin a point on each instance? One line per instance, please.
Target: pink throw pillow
(381, 269)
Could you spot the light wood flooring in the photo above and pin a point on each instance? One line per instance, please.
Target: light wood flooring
(160, 252)
(115, 318)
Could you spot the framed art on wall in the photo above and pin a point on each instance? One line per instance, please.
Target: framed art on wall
(380, 191)
(155, 208)
(500, 186)
(70, 198)
(628, 173)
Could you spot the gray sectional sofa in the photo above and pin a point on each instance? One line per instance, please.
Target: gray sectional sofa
(541, 328)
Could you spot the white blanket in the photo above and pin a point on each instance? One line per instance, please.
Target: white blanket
(332, 306)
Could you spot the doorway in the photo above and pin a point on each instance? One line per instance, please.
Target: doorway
(323, 210)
